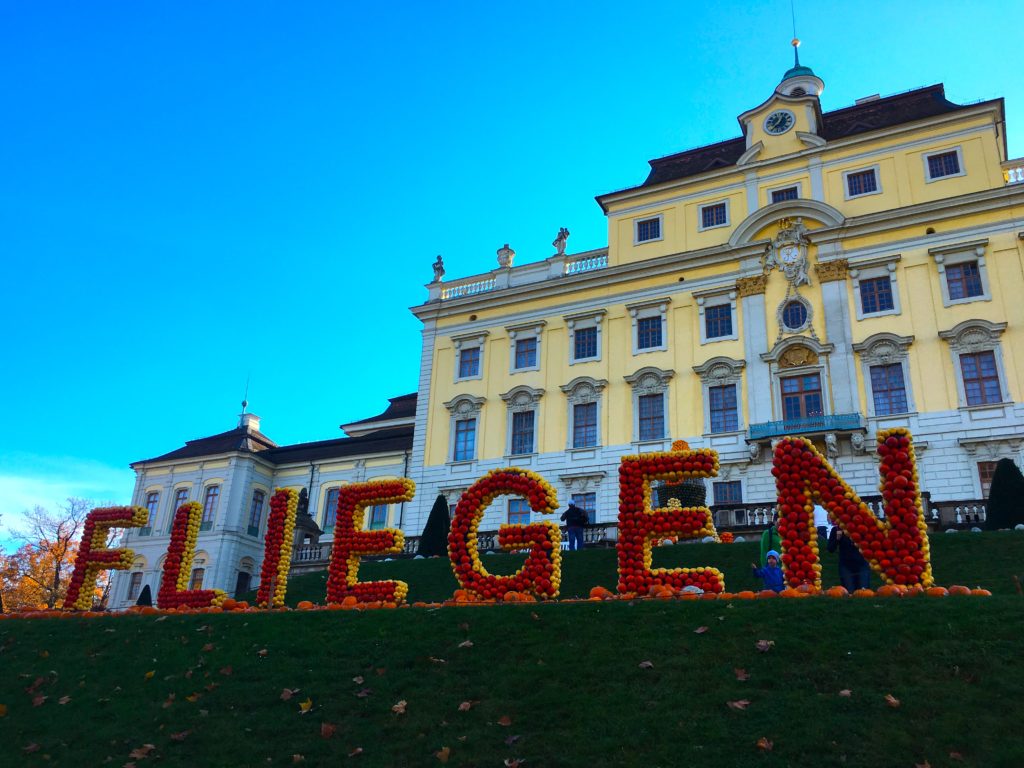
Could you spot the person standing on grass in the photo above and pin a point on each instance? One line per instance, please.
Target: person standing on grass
(771, 573)
(854, 571)
(574, 519)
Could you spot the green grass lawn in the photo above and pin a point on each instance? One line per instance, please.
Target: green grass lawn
(567, 677)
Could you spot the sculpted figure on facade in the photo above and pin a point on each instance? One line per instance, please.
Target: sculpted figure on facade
(438, 269)
(831, 445)
(560, 241)
(788, 252)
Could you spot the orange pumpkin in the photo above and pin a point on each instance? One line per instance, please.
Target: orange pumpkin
(745, 595)
(958, 589)
(937, 592)
(837, 592)
(863, 593)
(889, 590)
(979, 592)
(767, 593)
(305, 605)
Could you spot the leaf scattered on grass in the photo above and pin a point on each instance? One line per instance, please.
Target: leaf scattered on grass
(194, 697)
(925, 764)
(443, 754)
(149, 675)
(327, 730)
(381, 671)
(739, 705)
(846, 693)
(765, 744)
(362, 694)
(505, 720)
(287, 693)
(37, 701)
(297, 758)
(741, 674)
(180, 735)
(764, 645)
(646, 665)
(358, 680)
(63, 699)
(140, 753)
(305, 706)
(513, 762)
(262, 652)
(437, 660)
(534, 616)
(892, 701)
(399, 708)
(168, 701)
(510, 740)
(207, 648)
(700, 630)
(464, 626)
(467, 705)
(33, 747)
(356, 751)
(3, 710)
(226, 671)
(955, 756)
(466, 644)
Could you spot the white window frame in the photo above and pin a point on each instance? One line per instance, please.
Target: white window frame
(721, 372)
(516, 333)
(716, 297)
(579, 321)
(463, 408)
(951, 255)
(771, 190)
(878, 182)
(583, 390)
(777, 360)
(661, 229)
(928, 178)
(645, 309)
(885, 349)
(971, 337)
(715, 204)
(651, 381)
(870, 269)
(522, 399)
(469, 341)
(323, 512)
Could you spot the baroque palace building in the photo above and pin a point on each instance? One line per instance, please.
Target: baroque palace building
(825, 274)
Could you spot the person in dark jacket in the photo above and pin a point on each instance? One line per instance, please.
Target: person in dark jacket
(854, 571)
(575, 518)
(771, 573)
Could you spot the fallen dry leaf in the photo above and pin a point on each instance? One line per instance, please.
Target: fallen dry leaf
(327, 730)
(646, 665)
(262, 652)
(180, 735)
(3, 710)
(466, 644)
(37, 701)
(305, 706)
(466, 706)
(194, 697)
(505, 720)
(226, 671)
(33, 747)
(298, 758)
(437, 660)
(464, 626)
(891, 700)
(362, 694)
(510, 740)
(356, 751)
(149, 675)
(287, 693)
(534, 616)
(381, 671)
(168, 701)
(955, 756)
(207, 648)
(399, 708)
(443, 754)
(738, 705)
(764, 645)
(700, 630)
(846, 693)
(513, 762)
(358, 680)
(63, 699)
(765, 744)
(925, 764)
(142, 752)
(741, 674)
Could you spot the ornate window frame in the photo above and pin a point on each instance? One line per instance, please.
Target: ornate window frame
(972, 336)
(650, 380)
(578, 321)
(531, 330)
(721, 372)
(519, 400)
(959, 253)
(869, 269)
(713, 204)
(885, 349)
(784, 363)
(716, 297)
(925, 156)
(468, 341)
(584, 482)
(463, 408)
(808, 307)
(581, 391)
(644, 309)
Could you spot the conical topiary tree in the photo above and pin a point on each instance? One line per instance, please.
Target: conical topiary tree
(434, 541)
(1006, 497)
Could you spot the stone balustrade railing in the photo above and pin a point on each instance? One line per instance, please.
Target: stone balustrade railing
(468, 289)
(1013, 171)
(586, 264)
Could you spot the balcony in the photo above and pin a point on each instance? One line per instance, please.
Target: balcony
(1013, 171)
(808, 425)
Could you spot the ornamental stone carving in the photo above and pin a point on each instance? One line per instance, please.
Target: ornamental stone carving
(584, 389)
(582, 482)
(522, 398)
(506, 257)
(650, 380)
(751, 286)
(883, 348)
(973, 336)
(720, 371)
(797, 356)
(463, 406)
(830, 271)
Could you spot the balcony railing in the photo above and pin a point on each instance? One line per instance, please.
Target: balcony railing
(468, 289)
(806, 425)
(586, 264)
(1013, 171)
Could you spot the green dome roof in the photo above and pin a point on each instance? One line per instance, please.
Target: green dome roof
(797, 71)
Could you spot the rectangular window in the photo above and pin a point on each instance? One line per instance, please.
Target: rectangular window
(722, 408)
(518, 512)
(465, 440)
(963, 280)
(648, 332)
(861, 183)
(522, 433)
(584, 343)
(256, 512)
(587, 502)
(943, 164)
(648, 229)
(781, 195)
(584, 425)
(153, 505)
(210, 507)
(718, 321)
(888, 389)
(986, 471)
(196, 582)
(469, 362)
(180, 497)
(378, 517)
(526, 353)
(713, 215)
(728, 492)
(981, 379)
(135, 586)
(651, 417)
(801, 397)
(331, 508)
(876, 295)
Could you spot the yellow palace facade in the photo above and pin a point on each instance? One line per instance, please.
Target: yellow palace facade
(825, 274)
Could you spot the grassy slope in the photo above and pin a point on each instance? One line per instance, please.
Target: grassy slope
(566, 675)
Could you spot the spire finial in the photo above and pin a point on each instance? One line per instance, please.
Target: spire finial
(796, 40)
(796, 51)
(245, 397)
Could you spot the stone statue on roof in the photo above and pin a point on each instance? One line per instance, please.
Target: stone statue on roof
(559, 242)
(438, 269)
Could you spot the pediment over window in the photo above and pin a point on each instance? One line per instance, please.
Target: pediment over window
(973, 335)
(796, 351)
(883, 348)
(465, 405)
(650, 380)
(720, 370)
(584, 389)
(522, 397)
(810, 210)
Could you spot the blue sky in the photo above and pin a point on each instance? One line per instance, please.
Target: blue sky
(196, 193)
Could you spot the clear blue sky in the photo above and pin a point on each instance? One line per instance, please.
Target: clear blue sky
(193, 193)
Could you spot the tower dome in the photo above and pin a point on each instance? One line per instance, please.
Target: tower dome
(800, 80)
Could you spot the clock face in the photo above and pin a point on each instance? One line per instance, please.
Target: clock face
(779, 122)
(789, 254)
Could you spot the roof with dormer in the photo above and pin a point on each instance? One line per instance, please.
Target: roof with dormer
(239, 439)
(876, 115)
